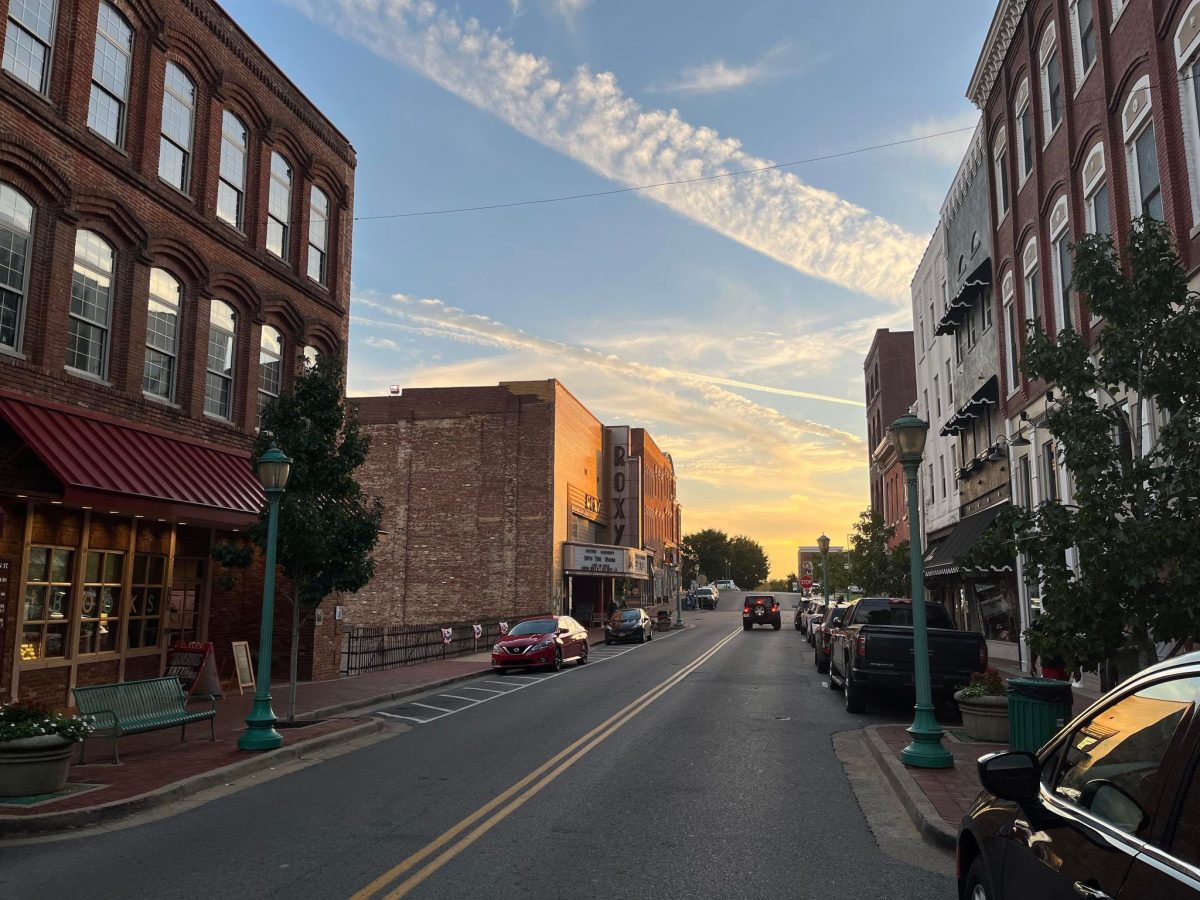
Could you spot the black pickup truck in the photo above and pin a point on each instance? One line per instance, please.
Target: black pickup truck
(872, 651)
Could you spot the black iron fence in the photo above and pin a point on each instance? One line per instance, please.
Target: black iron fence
(374, 649)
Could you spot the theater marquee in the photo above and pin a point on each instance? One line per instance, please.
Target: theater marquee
(601, 559)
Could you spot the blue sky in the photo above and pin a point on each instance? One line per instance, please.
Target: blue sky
(708, 313)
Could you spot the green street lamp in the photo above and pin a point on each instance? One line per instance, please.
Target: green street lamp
(677, 580)
(907, 437)
(823, 545)
(273, 470)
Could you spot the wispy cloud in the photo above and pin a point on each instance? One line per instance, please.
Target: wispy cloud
(718, 75)
(379, 343)
(947, 147)
(589, 118)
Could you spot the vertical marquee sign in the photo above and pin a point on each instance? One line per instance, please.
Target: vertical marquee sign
(624, 489)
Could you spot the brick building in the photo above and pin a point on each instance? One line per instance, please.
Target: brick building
(889, 373)
(509, 501)
(1090, 116)
(175, 221)
(809, 562)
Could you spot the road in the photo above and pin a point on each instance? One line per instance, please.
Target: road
(698, 765)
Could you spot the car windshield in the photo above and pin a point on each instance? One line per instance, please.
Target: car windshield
(534, 626)
(627, 616)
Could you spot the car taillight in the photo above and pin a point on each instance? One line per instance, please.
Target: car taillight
(860, 646)
(775, 608)
(983, 658)
(745, 609)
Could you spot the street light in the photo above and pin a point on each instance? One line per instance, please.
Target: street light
(273, 470)
(823, 545)
(907, 436)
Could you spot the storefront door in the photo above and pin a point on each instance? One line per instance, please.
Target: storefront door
(187, 589)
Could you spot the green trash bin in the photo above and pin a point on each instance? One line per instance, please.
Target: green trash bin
(1038, 708)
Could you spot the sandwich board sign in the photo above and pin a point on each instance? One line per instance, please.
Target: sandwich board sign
(194, 663)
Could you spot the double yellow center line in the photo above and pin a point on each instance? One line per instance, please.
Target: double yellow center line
(454, 841)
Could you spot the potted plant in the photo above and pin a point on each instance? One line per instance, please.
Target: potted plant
(984, 707)
(35, 748)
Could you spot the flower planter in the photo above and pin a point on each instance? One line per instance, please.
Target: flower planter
(34, 765)
(984, 718)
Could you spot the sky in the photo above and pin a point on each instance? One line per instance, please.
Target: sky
(730, 316)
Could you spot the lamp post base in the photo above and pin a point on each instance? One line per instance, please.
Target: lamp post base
(926, 750)
(260, 733)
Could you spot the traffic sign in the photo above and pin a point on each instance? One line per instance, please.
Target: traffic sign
(806, 582)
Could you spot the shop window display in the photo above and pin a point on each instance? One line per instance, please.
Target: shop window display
(100, 602)
(47, 603)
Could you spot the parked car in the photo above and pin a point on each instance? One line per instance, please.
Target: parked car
(629, 625)
(823, 637)
(1110, 807)
(761, 609)
(816, 610)
(544, 641)
(873, 651)
(707, 597)
(725, 584)
(798, 619)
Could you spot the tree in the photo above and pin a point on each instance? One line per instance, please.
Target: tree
(873, 567)
(710, 549)
(748, 565)
(1134, 523)
(327, 526)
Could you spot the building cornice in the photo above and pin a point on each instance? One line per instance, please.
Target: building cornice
(970, 164)
(995, 48)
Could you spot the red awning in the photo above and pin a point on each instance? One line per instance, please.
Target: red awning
(115, 466)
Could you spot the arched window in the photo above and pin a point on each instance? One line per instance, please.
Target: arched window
(1000, 173)
(270, 368)
(279, 207)
(178, 113)
(162, 335)
(1141, 152)
(29, 42)
(1012, 339)
(16, 227)
(231, 187)
(110, 75)
(1033, 293)
(1052, 86)
(91, 305)
(318, 234)
(1187, 60)
(1060, 251)
(1022, 113)
(311, 355)
(1083, 22)
(222, 339)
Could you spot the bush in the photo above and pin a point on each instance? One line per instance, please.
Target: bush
(985, 684)
(25, 719)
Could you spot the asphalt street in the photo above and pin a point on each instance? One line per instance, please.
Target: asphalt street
(701, 764)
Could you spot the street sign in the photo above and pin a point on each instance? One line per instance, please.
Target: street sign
(806, 582)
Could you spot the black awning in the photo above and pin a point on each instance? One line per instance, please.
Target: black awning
(971, 290)
(988, 394)
(944, 559)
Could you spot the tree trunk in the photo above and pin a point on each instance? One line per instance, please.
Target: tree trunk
(294, 663)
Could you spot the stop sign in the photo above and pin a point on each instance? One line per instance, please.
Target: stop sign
(806, 582)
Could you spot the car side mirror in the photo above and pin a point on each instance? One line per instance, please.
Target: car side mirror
(1015, 775)
(564, 631)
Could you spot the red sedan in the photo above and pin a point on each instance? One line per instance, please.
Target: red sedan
(545, 641)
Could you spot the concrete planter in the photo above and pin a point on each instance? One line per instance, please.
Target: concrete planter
(34, 765)
(984, 718)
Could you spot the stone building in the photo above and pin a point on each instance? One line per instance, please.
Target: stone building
(176, 222)
(510, 501)
(889, 374)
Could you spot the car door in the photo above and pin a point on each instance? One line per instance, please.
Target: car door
(1102, 783)
(576, 635)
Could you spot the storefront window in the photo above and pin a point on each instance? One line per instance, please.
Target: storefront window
(146, 599)
(47, 603)
(186, 588)
(100, 604)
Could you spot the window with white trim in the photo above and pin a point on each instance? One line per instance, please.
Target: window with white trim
(29, 41)
(231, 183)
(937, 397)
(222, 338)
(162, 335)
(318, 234)
(1187, 60)
(1141, 152)
(111, 64)
(91, 304)
(311, 355)
(950, 382)
(279, 206)
(1095, 193)
(270, 369)
(178, 115)
(1033, 294)
(985, 308)
(1060, 253)
(1000, 173)
(1012, 337)
(1118, 7)
(1083, 24)
(1024, 118)
(1052, 87)
(942, 471)
(16, 230)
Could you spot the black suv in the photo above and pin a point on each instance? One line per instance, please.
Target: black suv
(761, 609)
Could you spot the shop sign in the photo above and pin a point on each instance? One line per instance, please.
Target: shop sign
(5, 573)
(606, 560)
(194, 663)
(624, 486)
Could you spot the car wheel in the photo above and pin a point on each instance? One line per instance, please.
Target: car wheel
(650, 635)
(829, 682)
(608, 643)
(500, 671)
(558, 659)
(821, 663)
(582, 656)
(797, 626)
(856, 702)
(975, 886)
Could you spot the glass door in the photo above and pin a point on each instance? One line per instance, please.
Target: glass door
(187, 585)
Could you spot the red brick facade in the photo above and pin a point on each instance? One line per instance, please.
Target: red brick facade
(889, 373)
(77, 180)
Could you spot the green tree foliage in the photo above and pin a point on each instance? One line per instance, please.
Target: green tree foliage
(327, 526)
(873, 567)
(1135, 520)
(748, 565)
(710, 550)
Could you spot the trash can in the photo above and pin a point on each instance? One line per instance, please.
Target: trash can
(1038, 708)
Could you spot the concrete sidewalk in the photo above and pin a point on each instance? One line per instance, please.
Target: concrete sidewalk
(157, 768)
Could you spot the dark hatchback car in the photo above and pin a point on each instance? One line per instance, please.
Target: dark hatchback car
(629, 625)
(1110, 807)
(761, 609)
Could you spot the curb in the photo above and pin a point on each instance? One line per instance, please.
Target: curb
(928, 822)
(106, 813)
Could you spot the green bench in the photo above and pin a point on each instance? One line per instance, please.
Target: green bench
(132, 707)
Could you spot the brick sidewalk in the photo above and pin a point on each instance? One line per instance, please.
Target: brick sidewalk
(951, 791)
(154, 762)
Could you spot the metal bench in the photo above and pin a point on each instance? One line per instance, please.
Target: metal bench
(132, 707)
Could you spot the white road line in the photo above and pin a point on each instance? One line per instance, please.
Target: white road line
(430, 706)
(456, 697)
(485, 690)
(406, 718)
(508, 684)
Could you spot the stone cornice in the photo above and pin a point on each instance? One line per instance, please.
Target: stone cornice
(971, 161)
(995, 48)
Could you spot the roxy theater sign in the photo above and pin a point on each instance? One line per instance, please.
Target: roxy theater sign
(598, 559)
(624, 486)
